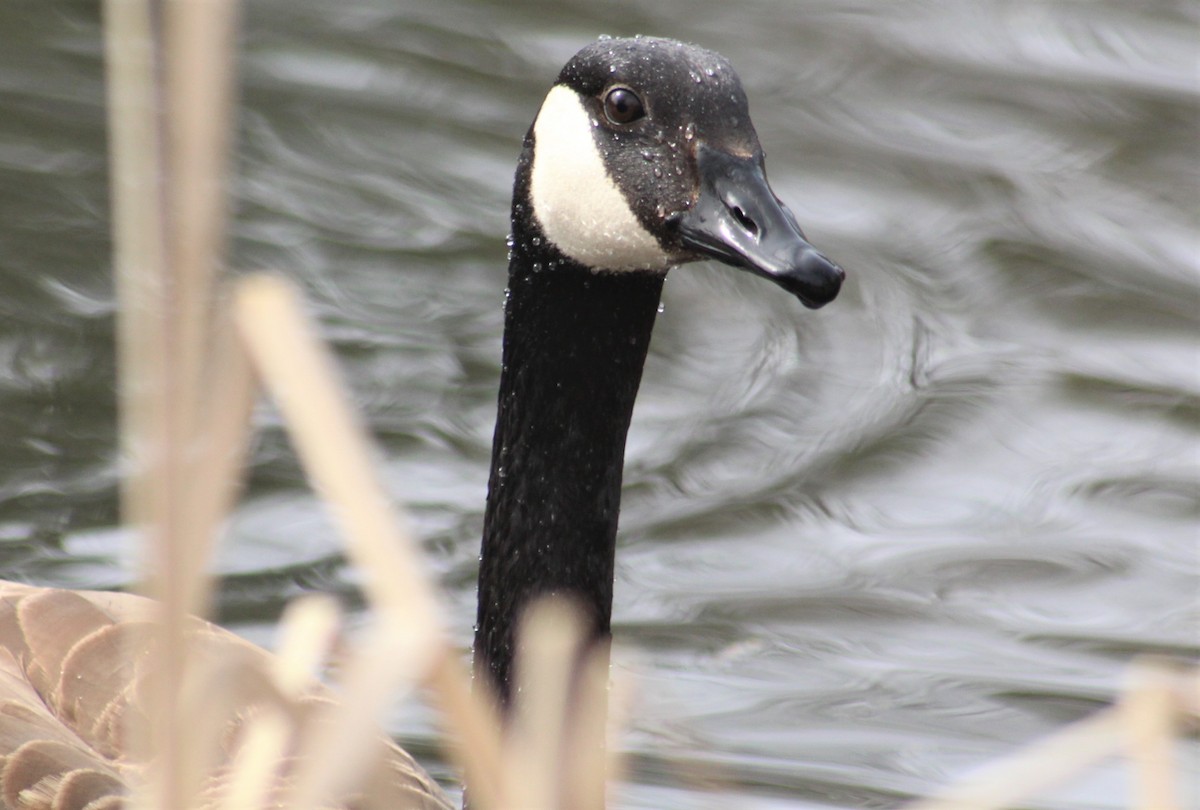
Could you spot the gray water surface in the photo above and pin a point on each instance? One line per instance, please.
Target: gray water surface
(863, 550)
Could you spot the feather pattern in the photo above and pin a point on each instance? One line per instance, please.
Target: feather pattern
(72, 681)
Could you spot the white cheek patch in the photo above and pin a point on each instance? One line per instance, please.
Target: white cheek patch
(576, 203)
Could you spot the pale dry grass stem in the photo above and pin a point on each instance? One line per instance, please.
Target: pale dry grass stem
(1142, 727)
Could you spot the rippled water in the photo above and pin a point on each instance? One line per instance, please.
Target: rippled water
(863, 550)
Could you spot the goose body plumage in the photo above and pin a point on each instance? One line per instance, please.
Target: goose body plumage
(641, 158)
(72, 669)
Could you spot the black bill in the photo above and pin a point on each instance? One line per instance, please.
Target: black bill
(739, 220)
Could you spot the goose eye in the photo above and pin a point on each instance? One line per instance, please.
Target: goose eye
(622, 106)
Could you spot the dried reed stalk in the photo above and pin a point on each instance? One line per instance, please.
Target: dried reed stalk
(307, 632)
(471, 721)
(537, 739)
(1037, 767)
(1143, 725)
(140, 239)
(168, 168)
(555, 745)
(1152, 707)
(139, 242)
(600, 712)
(300, 375)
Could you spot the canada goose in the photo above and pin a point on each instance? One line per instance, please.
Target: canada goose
(642, 157)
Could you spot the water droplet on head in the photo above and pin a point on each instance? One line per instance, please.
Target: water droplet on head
(604, 37)
(709, 72)
(661, 308)
(689, 131)
(657, 172)
(537, 241)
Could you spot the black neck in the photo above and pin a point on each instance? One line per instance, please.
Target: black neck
(574, 345)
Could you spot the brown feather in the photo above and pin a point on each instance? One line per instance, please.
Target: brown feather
(72, 666)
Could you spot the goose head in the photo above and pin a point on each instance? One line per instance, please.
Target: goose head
(643, 156)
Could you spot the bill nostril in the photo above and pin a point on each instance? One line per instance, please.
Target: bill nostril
(744, 220)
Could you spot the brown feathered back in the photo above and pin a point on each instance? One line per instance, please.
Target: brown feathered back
(72, 667)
